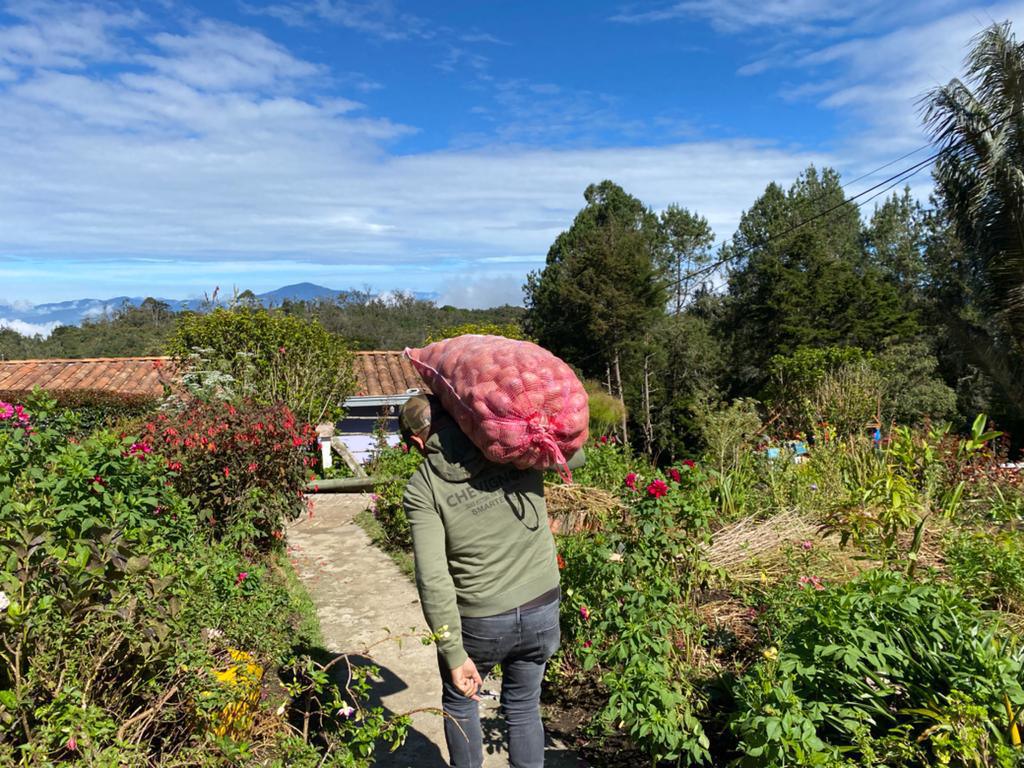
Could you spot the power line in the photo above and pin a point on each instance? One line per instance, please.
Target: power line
(904, 175)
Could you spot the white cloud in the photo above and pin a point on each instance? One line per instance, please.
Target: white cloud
(484, 292)
(28, 329)
(376, 17)
(65, 35)
(171, 160)
(219, 56)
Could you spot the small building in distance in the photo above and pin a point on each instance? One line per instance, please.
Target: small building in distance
(385, 379)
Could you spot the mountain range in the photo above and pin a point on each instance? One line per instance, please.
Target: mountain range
(43, 318)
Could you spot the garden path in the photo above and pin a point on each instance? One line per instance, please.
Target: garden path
(358, 592)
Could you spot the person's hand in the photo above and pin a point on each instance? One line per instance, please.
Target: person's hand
(467, 680)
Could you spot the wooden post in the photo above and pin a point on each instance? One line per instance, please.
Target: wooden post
(622, 399)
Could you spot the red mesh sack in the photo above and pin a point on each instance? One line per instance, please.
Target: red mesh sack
(516, 401)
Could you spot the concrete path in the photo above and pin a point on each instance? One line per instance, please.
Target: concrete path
(360, 594)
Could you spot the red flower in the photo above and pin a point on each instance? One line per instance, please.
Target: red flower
(689, 463)
(674, 474)
(657, 489)
(241, 577)
(227, 472)
(584, 613)
(561, 562)
(604, 439)
(631, 481)
(587, 643)
(253, 466)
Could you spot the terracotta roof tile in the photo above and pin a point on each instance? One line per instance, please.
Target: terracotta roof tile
(378, 374)
(385, 373)
(130, 376)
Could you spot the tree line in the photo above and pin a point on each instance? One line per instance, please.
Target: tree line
(926, 302)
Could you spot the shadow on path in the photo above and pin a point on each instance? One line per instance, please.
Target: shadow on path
(418, 751)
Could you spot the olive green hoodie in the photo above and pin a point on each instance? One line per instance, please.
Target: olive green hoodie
(480, 536)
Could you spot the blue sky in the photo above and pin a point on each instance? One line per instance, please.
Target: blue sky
(166, 148)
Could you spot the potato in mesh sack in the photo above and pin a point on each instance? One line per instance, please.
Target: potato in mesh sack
(516, 401)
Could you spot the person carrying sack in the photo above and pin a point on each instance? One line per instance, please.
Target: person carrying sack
(487, 576)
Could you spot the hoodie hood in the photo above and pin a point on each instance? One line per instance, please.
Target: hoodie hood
(453, 456)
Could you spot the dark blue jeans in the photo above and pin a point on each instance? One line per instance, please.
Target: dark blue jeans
(522, 642)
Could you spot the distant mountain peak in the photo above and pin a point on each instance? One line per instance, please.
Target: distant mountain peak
(43, 318)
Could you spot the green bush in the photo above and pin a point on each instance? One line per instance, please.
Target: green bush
(627, 621)
(880, 671)
(608, 462)
(123, 626)
(266, 355)
(987, 565)
(394, 465)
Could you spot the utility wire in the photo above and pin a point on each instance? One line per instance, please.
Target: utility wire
(883, 186)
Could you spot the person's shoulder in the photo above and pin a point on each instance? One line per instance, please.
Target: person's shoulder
(418, 485)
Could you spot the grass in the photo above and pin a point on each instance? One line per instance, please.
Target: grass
(403, 560)
(307, 622)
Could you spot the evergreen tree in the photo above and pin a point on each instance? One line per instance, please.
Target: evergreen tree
(795, 284)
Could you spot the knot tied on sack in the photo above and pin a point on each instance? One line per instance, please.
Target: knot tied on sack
(538, 431)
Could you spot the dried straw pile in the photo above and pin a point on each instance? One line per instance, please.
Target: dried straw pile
(754, 549)
(575, 508)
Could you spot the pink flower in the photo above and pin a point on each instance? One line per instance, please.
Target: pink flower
(631, 481)
(6, 410)
(241, 577)
(674, 474)
(72, 744)
(812, 581)
(657, 489)
(584, 613)
(806, 544)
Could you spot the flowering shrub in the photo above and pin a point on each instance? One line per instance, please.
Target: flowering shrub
(243, 465)
(608, 461)
(627, 599)
(120, 620)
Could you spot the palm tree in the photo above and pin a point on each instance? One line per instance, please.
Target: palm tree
(979, 124)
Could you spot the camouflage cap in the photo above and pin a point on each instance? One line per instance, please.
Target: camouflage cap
(414, 418)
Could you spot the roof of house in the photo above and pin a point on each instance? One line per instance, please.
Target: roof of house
(385, 373)
(378, 374)
(140, 378)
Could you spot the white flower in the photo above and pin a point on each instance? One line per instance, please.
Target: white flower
(446, 635)
(615, 557)
(4, 601)
(346, 711)
(214, 634)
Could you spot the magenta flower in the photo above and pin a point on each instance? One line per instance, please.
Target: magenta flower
(241, 577)
(587, 643)
(674, 474)
(657, 489)
(806, 544)
(631, 481)
(584, 613)
(6, 410)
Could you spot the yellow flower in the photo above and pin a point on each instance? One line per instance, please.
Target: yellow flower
(771, 653)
